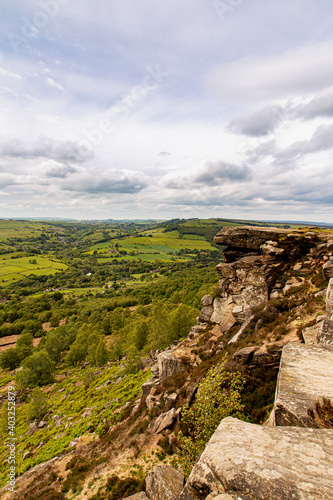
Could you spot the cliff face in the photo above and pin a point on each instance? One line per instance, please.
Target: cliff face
(291, 457)
(254, 259)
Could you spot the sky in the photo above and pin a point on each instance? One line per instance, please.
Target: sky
(161, 109)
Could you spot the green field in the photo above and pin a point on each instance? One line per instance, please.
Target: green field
(12, 269)
(151, 245)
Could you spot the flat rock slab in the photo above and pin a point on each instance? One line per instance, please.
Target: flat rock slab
(305, 376)
(265, 463)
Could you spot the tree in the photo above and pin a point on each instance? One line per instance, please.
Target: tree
(37, 370)
(101, 354)
(37, 406)
(54, 345)
(218, 397)
(10, 359)
(24, 345)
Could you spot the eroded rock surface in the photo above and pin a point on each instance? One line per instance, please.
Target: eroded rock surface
(265, 463)
(169, 365)
(305, 377)
(164, 483)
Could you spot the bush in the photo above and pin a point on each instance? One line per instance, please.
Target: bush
(37, 370)
(10, 359)
(218, 397)
(38, 405)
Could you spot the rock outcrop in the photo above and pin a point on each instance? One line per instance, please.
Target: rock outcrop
(265, 463)
(305, 377)
(253, 259)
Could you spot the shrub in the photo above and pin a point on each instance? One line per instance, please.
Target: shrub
(38, 405)
(218, 397)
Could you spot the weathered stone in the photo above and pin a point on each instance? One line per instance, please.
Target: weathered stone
(310, 335)
(328, 270)
(271, 250)
(164, 483)
(245, 237)
(275, 295)
(241, 313)
(33, 427)
(207, 300)
(292, 285)
(222, 314)
(305, 376)
(265, 463)
(298, 266)
(164, 421)
(329, 298)
(247, 281)
(241, 332)
(42, 424)
(325, 333)
(147, 386)
(138, 496)
(244, 355)
(263, 357)
(169, 365)
(206, 313)
(330, 245)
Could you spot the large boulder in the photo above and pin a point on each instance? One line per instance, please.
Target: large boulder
(305, 377)
(247, 281)
(169, 365)
(164, 421)
(164, 483)
(265, 463)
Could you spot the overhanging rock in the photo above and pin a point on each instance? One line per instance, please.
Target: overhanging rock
(265, 463)
(305, 377)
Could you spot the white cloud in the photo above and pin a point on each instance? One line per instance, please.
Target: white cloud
(291, 73)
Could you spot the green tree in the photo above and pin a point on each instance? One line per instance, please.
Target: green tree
(218, 397)
(101, 354)
(37, 370)
(54, 345)
(10, 359)
(37, 406)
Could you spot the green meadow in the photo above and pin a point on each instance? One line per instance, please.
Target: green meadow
(14, 268)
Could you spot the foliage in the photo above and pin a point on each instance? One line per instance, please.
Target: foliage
(37, 370)
(37, 406)
(218, 397)
(10, 359)
(101, 354)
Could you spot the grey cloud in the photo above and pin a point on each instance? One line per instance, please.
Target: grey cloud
(322, 140)
(258, 123)
(59, 171)
(321, 105)
(216, 172)
(6, 180)
(117, 181)
(164, 153)
(62, 151)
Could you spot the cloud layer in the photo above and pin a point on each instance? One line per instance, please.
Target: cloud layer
(127, 109)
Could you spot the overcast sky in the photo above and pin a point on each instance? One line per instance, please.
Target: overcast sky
(161, 109)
